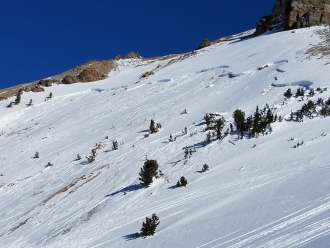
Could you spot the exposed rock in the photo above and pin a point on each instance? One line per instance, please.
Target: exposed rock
(309, 13)
(262, 25)
(89, 75)
(147, 74)
(132, 55)
(118, 57)
(27, 88)
(69, 79)
(290, 14)
(45, 82)
(37, 88)
(205, 43)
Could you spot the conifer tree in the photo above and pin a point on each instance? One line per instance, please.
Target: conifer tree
(219, 125)
(49, 164)
(150, 225)
(18, 96)
(208, 137)
(115, 145)
(92, 156)
(239, 121)
(78, 157)
(152, 127)
(288, 93)
(148, 172)
(30, 103)
(205, 168)
(182, 182)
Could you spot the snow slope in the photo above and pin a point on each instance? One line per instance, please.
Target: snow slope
(272, 195)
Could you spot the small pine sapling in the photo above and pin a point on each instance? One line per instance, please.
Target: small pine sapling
(30, 103)
(205, 168)
(18, 97)
(115, 145)
(187, 152)
(49, 164)
(184, 112)
(288, 93)
(92, 156)
(152, 127)
(208, 137)
(150, 225)
(182, 182)
(78, 157)
(171, 138)
(36, 155)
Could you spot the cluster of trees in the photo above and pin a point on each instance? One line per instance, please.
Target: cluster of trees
(259, 122)
(311, 109)
(154, 127)
(216, 123)
(19, 97)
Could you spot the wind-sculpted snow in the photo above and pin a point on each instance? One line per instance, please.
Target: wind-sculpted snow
(260, 192)
(302, 83)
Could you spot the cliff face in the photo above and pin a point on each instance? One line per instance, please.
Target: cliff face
(290, 14)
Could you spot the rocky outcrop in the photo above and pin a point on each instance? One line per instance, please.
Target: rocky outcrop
(147, 74)
(37, 88)
(309, 13)
(45, 82)
(132, 55)
(205, 43)
(291, 14)
(69, 79)
(89, 75)
(118, 57)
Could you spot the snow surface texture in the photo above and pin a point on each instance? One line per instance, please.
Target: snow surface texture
(270, 195)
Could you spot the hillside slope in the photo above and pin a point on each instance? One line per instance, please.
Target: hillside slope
(259, 192)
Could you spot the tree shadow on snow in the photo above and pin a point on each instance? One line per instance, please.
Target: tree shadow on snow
(175, 162)
(144, 131)
(197, 145)
(200, 124)
(130, 237)
(172, 187)
(130, 188)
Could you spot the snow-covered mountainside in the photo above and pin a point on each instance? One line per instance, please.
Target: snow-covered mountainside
(258, 192)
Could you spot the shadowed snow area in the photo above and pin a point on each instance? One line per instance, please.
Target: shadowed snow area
(259, 192)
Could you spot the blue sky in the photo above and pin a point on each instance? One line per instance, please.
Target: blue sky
(42, 38)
